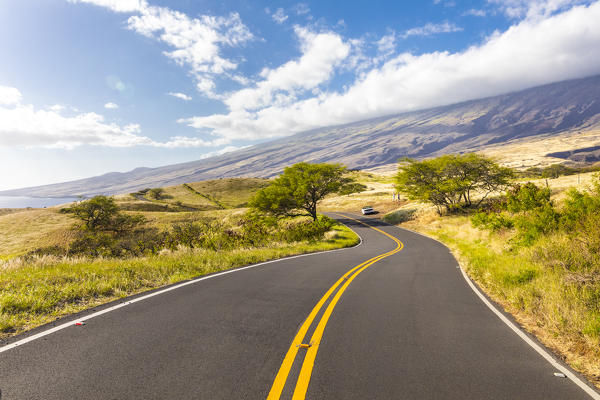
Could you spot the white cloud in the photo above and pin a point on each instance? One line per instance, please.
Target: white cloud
(532, 52)
(21, 125)
(432, 29)
(279, 16)
(321, 53)
(301, 9)
(445, 3)
(184, 141)
(227, 149)
(181, 96)
(56, 107)
(111, 106)
(196, 42)
(533, 8)
(9, 96)
(117, 5)
(473, 12)
(27, 127)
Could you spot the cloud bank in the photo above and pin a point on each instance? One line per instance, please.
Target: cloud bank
(537, 50)
(21, 125)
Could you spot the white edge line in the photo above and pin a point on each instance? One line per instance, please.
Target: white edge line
(541, 351)
(158, 292)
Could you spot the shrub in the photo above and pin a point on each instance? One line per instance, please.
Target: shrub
(492, 221)
(188, 234)
(157, 193)
(307, 230)
(579, 207)
(93, 244)
(137, 243)
(526, 197)
(55, 250)
(256, 230)
(533, 224)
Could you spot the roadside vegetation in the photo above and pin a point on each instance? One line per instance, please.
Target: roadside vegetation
(101, 250)
(534, 250)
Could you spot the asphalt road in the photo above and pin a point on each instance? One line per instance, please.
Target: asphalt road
(406, 327)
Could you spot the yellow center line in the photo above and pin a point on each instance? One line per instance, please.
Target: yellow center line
(307, 366)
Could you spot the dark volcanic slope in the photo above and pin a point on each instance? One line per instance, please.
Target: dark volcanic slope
(471, 125)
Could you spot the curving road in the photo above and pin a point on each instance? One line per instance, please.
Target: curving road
(403, 325)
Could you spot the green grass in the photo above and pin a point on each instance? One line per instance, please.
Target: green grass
(230, 192)
(41, 291)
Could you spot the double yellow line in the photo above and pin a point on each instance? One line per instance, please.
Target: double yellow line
(313, 345)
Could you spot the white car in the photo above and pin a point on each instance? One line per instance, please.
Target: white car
(367, 210)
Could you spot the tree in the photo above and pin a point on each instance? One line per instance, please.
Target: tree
(101, 213)
(156, 193)
(450, 181)
(299, 188)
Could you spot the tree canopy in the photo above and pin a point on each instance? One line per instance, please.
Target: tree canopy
(299, 188)
(450, 181)
(101, 213)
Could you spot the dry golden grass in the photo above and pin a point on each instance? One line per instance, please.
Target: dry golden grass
(30, 229)
(560, 185)
(186, 197)
(531, 152)
(230, 192)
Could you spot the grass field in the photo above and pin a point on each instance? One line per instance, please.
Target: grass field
(230, 192)
(29, 229)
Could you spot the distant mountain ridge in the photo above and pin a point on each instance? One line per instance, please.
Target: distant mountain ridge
(468, 126)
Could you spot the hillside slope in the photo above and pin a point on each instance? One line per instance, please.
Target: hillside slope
(554, 109)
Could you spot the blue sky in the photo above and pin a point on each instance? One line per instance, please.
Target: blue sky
(92, 86)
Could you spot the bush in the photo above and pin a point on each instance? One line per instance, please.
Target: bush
(578, 208)
(93, 244)
(158, 194)
(188, 234)
(138, 243)
(55, 250)
(526, 197)
(492, 221)
(307, 230)
(532, 225)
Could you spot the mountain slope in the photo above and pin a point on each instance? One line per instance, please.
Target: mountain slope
(546, 110)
